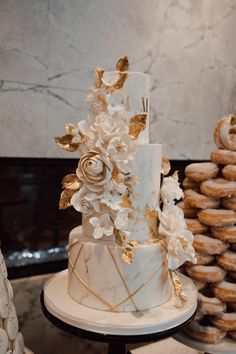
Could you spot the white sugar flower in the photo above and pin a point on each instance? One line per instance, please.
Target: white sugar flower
(171, 220)
(122, 150)
(180, 249)
(170, 190)
(85, 201)
(112, 199)
(102, 226)
(122, 221)
(113, 106)
(108, 127)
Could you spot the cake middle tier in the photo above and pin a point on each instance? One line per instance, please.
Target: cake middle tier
(99, 278)
(144, 197)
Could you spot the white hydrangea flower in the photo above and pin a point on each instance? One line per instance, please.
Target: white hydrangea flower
(85, 201)
(102, 226)
(180, 249)
(112, 199)
(170, 190)
(121, 150)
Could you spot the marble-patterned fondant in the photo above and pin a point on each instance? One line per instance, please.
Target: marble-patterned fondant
(94, 280)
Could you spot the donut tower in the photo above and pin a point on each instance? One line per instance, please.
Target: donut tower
(209, 207)
(11, 340)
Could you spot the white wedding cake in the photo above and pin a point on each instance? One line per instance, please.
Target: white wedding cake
(124, 256)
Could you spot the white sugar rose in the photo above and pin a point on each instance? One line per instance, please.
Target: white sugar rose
(108, 127)
(170, 190)
(171, 220)
(102, 226)
(180, 249)
(95, 170)
(85, 201)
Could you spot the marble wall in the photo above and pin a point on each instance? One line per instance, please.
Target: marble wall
(48, 50)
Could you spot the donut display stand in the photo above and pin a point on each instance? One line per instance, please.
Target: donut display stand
(224, 346)
(209, 208)
(117, 329)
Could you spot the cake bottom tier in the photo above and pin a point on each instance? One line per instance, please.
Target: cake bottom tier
(99, 278)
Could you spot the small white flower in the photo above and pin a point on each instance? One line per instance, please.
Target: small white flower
(171, 220)
(170, 190)
(121, 150)
(180, 249)
(102, 226)
(122, 221)
(112, 199)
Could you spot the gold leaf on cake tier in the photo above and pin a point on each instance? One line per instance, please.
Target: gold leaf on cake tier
(120, 82)
(137, 124)
(128, 252)
(178, 288)
(70, 127)
(165, 165)
(126, 203)
(65, 198)
(72, 182)
(232, 119)
(65, 143)
(122, 64)
(99, 75)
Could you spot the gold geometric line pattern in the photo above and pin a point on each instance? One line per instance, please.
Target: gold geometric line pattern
(130, 295)
(143, 284)
(122, 279)
(75, 263)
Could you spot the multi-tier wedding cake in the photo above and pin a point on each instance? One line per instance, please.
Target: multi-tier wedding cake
(124, 256)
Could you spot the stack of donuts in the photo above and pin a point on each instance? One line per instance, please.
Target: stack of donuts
(209, 207)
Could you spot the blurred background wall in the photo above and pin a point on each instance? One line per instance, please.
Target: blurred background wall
(49, 48)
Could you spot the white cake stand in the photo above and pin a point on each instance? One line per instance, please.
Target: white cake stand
(224, 346)
(115, 328)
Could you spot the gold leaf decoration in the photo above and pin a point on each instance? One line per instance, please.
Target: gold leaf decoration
(71, 181)
(65, 143)
(120, 82)
(126, 203)
(99, 75)
(119, 238)
(69, 128)
(65, 198)
(165, 165)
(128, 255)
(137, 124)
(178, 288)
(122, 64)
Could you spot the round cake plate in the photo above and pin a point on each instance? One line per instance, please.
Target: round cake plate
(166, 316)
(224, 346)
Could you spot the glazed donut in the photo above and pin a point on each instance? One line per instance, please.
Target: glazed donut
(188, 211)
(229, 203)
(224, 133)
(229, 172)
(195, 226)
(224, 157)
(210, 305)
(225, 291)
(209, 245)
(206, 273)
(232, 334)
(197, 200)
(204, 259)
(201, 171)
(218, 188)
(227, 233)
(225, 321)
(227, 260)
(217, 217)
(190, 184)
(204, 333)
(199, 284)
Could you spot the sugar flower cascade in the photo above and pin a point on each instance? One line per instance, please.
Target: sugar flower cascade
(103, 183)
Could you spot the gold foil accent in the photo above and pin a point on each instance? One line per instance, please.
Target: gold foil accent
(65, 198)
(165, 165)
(72, 182)
(128, 251)
(137, 124)
(122, 64)
(65, 143)
(70, 127)
(178, 288)
(126, 203)
(99, 75)
(102, 101)
(232, 119)
(120, 83)
(122, 279)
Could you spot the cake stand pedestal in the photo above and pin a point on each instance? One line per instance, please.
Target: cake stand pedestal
(116, 329)
(224, 346)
